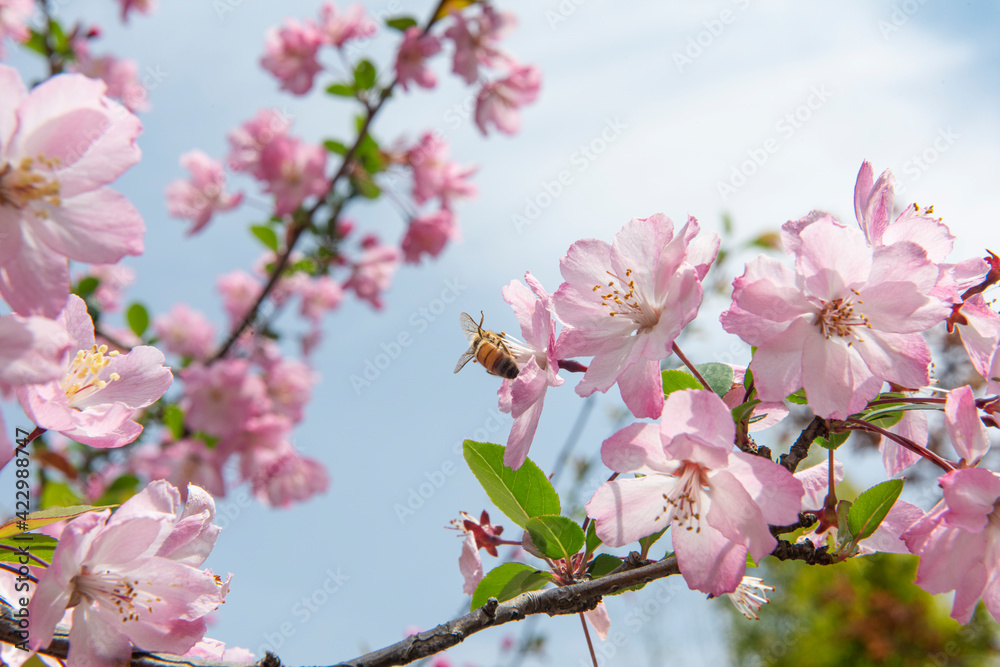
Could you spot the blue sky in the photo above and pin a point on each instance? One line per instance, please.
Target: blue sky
(764, 110)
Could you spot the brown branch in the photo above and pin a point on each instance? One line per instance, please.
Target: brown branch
(800, 450)
(804, 551)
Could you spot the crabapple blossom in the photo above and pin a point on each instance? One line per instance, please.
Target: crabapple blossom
(764, 415)
(239, 292)
(428, 235)
(141, 6)
(185, 332)
(524, 396)
(222, 398)
(477, 46)
(479, 534)
(749, 596)
(470, 565)
(293, 170)
(965, 430)
(120, 74)
(213, 649)
(99, 391)
(202, 196)
(181, 462)
(278, 477)
(499, 102)
(599, 620)
(14, 15)
(319, 295)
(717, 501)
(434, 175)
(411, 66)
(979, 328)
(290, 55)
(626, 302)
(112, 281)
(373, 273)
(248, 140)
(131, 578)
(60, 145)
(339, 27)
(289, 385)
(958, 542)
(844, 322)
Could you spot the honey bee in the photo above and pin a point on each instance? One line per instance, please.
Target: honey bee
(486, 347)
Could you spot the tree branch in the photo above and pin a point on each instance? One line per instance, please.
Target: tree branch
(800, 450)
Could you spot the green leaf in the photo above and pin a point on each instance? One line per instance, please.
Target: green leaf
(137, 318)
(401, 23)
(38, 545)
(44, 517)
(743, 411)
(718, 376)
(266, 235)
(120, 490)
(677, 380)
(86, 286)
(364, 75)
(508, 581)
(520, 494)
(335, 147)
(173, 418)
(57, 494)
(834, 440)
(602, 565)
(36, 43)
(341, 90)
(366, 187)
(650, 540)
(798, 398)
(555, 536)
(593, 541)
(870, 508)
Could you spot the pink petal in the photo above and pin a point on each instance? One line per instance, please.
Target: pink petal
(628, 509)
(98, 227)
(36, 282)
(710, 562)
(776, 491)
(967, 433)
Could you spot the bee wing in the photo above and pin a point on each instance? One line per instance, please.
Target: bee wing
(465, 358)
(469, 326)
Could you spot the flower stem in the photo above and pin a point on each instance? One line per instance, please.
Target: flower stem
(694, 371)
(861, 425)
(590, 644)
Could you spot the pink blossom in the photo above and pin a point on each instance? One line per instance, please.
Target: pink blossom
(599, 620)
(181, 463)
(248, 140)
(289, 384)
(844, 322)
(131, 578)
(141, 6)
(428, 235)
(765, 415)
(979, 329)
(222, 398)
(750, 596)
(718, 501)
(470, 565)
(213, 649)
(202, 196)
(60, 145)
(816, 484)
(479, 534)
(340, 27)
(14, 15)
(239, 292)
(966, 431)
(411, 63)
(293, 170)
(478, 45)
(290, 55)
(319, 295)
(120, 74)
(373, 273)
(96, 397)
(434, 175)
(895, 457)
(626, 302)
(186, 332)
(282, 476)
(112, 281)
(499, 102)
(957, 542)
(524, 396)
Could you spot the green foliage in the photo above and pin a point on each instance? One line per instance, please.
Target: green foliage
(508, 581)
(59, 495)
(86, 286)
(173, 418)
(137, 318)
(341, 90)
(520, 494)
(266, 235)
(401, 23)
(120, 490)
(864, 612)
(870, 508)
(364, 75)
(718, 376)
(677, 380)
(555, 536)
(39, 546)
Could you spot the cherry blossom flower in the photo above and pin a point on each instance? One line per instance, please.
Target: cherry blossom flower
(965, 430)
(979, 328)
(14, 15)
(293, 170)
(717, 501)
(845, 321)
(470, 565)
(96, 397)
(181, 462)
(131, 578)
(599, 620)
(120, 74)
(479, 534)
(239, 292)
(279, 477)
(750, 596)
(112, 281)
(499, 102)
(289, 384)
(524, 396)
(290, 55)
(895, 457)
(957, 542)
(141, 6)
(411, 66)
(248, 140)
(319, 295)
(340, 27)
(626, 302)
(434, 175)
(765, 415)
(373, 273)
(428, 235)
(60, 145)
(213, 649)
(186, 332)
(205, 194)
(478, 45)
(222, 398)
